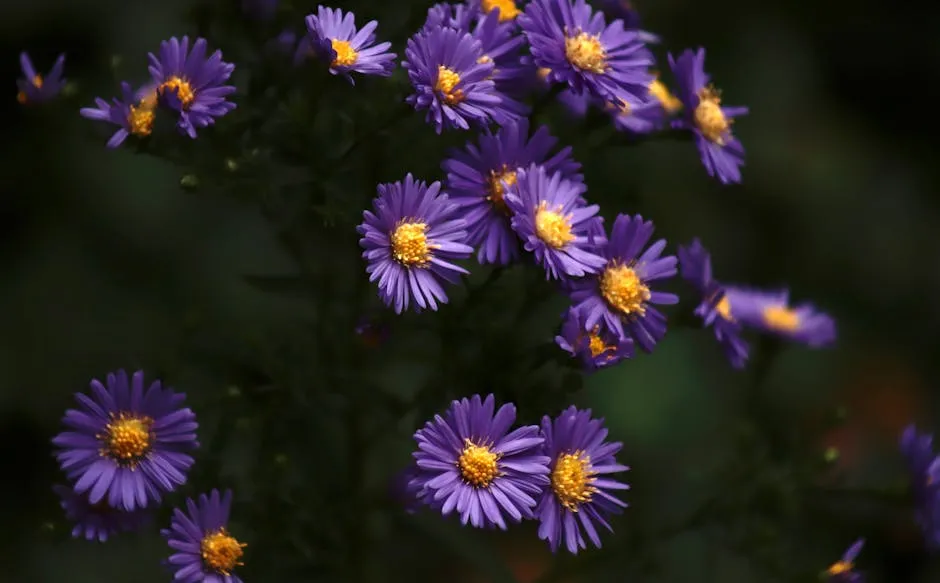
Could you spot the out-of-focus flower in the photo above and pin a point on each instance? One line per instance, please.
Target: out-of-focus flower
(648, 115)
(770, 311)
(843, 570)
(704, 115)
(620, 296)
(470, 461)
(191, 83)
(332, 36)
(97, 521)
(203, 549)
(33, 87)
(508, 10)
(580, 496)
(476, 176)
(133, 113)
(624, 10)
(598, 348)
(409, 241)
(924, 470)
(126, 444)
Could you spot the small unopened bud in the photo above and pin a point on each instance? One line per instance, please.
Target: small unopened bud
(231, 165)
(831, 455)
(189, 182)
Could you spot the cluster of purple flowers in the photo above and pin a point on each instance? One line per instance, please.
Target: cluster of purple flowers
(126, 445)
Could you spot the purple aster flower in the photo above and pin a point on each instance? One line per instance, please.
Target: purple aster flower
(620, 297)
(578, 48)
(843, 570)
(470, 461)
(333, 37)
(410, 239)
(203, 549)
(97, 521)
(597, 348)
(769, 311)
(721, 152)
(34, 88)
(624, 10)
(580, 494)
(476, 177)
(133, 114)
(924, 470)
(192, 84)
(553, 222)
(452, 81)
(647, 115)
(125, 444)
(457, 16)
(715, 307)
(503, 46)
(408, 489)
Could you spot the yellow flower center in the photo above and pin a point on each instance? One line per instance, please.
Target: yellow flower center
(221, 552)
(781, 318)
(723, 307)
(127, 438)
(584, 51)
(543, 73)
(596, 344)
(184, 91)
(496, 191)
(37, 83)
(345, 55)
(552, 227)
(573, 479)
(624, 290)
(478, 464)
(410, 244)
(140, 119)
(840, 567)
(447, 81)
(709, 118)
(669, 101)
(507, 8)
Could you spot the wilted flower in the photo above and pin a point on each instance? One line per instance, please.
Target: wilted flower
(409, 241)
(97, 521)
(203, 549)
(133, 115)
(597, 348)
(333, 37)
(34, 88)
(843, 570)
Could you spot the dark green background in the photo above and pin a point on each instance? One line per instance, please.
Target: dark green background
(107, 263)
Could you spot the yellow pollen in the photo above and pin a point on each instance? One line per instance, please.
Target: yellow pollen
(221, 552)
(496, 190)
(596, 344)
(543, 73)
(840, 567)
(37, 81)
(478, 464)
(624, 290)
(573, 479)
(127, 438)
(447, 81)
(584, 51)
(507, 8)
(723, 307)
(21, 95)
(669, 101)
(345, 54)
(552, 227)
(140, 119)
(184, 91)
(709, 118)
(781, 318)
(410, 244)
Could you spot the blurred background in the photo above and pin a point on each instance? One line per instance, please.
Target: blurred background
(108, 263)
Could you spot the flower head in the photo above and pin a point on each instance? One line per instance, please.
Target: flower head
(33, 87)
(478, 177)
(580, 496)
(578, 48)
(715, 304)
(552, 220)
(710, 121)
(769, 311)
(126, 444)
(410, 239)
(650, 114)
(470, 461)
(452, 81)
(191, 83)
(843, 570)
(97, 521)
(333, 37)
(502, 45)
(133, 114)
(597, 348)
(923, 465)
(619, 296)
(203, 549)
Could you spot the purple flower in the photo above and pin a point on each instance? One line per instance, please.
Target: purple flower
(457, 16)
(624, 10)
(769, 311)
(924, 470)
(192, 84)
(97, 521)
(507, 9)
(470, 461)
(580, 494)
(476, 177)
(125, 444)
(203, 549)
(620, 297)
(34, 88)
(597, 348)
(552, 221)
(578, 48)
(843, 570)
(333, 37)
(647, 115)
(405, 489)
(410, 240)
(452, 81)
(133, 113)
(721, 153)
(715, 305)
